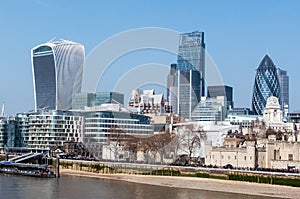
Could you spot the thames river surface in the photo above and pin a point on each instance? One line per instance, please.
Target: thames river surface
(16, 187)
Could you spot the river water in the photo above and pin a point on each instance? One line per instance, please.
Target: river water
(15, 187)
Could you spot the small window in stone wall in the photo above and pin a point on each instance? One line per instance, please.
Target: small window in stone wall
(291, 157)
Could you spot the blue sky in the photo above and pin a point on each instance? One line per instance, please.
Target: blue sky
(237, 35)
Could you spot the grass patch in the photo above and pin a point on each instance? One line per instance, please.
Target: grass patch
(167, 172)
(294, 182)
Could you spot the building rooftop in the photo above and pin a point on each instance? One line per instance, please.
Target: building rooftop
(107, 107)
(266, 62)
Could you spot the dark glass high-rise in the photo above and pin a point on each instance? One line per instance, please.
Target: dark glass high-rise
(266, 84)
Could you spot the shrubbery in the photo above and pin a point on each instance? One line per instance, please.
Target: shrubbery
(295, 182)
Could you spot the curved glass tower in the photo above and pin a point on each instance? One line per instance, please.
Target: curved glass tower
(57, 69)
(266, 84)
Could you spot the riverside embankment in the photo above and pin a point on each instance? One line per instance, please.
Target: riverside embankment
(185, 177)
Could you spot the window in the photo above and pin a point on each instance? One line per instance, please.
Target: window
(291, 157)
(245, 157)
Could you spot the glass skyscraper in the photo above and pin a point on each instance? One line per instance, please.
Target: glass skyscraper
(191, 56)
(266, 84)
(186, 81)
(57, 69)
(284, 86)
(188, 92)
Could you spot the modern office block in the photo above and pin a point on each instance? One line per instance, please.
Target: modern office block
(191, 56)
(108, 97)
(101, 122)
(294, 117)
(57, 69)
(284, 89)
(266, 84)
(240, 111)
(210, 109)
(188, 92)
(186, 81)
(172, 90)
(82, 100)
(222, 90)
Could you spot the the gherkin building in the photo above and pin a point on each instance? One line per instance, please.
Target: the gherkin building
(266, 84)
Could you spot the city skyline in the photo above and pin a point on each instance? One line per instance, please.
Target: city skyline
(256, 31)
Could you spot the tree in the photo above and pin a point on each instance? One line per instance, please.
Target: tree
(158, 144)
(115, 141)
(190, 141)
(150, 146)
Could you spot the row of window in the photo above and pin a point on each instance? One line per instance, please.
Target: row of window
(229, 157)
(133, 131)
(112, 121)
(120, 126)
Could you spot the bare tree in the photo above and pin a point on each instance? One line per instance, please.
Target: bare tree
(150, 146)
(115, 140)
(158, 144)
(190, 141)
